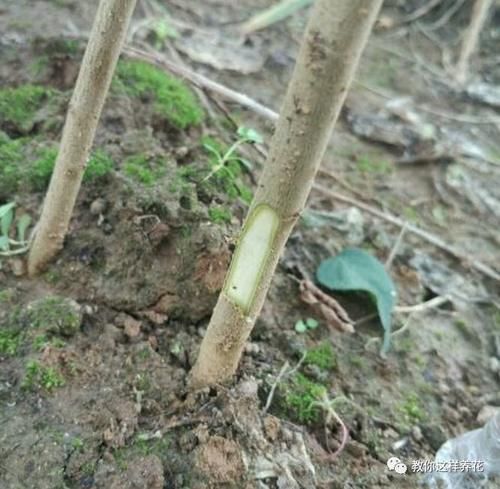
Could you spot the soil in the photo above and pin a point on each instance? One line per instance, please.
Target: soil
(95, 353)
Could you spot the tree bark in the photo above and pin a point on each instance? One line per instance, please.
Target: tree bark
(471, 38)
(96, 71)
(335, 37)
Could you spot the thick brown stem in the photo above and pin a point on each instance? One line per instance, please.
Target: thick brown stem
(97, 68)
(471, 38)
(333, 42)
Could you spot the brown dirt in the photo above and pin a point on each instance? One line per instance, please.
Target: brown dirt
(145, 268)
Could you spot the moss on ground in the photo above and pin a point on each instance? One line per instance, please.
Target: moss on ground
(11, 159)
(322, 356)
(300, 397)
(172, 99)
(412, 410)
(99, 165)
(219, 215)
(228, 178)
(374, 164)
(9, 341)
(144, 169)
(52, 314)
(20, 166)
(18, 106)
(38, 376)
(40, 171)
(141, 446)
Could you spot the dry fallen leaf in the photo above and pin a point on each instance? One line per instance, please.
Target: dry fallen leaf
(335, 315)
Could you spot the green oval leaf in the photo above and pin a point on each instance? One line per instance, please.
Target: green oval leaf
(22, 225)
(356, 270)
(300, 326)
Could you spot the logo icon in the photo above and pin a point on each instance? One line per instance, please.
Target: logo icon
(394, 464)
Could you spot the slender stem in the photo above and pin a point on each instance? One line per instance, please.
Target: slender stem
(98, 64)
(335, 37)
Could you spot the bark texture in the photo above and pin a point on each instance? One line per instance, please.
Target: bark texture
(335, 37)
(471, 38)
(97, 68)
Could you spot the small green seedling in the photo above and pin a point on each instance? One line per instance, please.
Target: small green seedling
(246, 135)
(302, 326)
(37, 375)
(9, 246)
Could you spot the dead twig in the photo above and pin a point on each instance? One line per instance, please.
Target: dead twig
(395, 248)
(419, 12)
(423, 306)
(435, 240)
(335, 315)
(202, 81)
(327, 405)
(284, 372)
(446, 16)
(274, 386)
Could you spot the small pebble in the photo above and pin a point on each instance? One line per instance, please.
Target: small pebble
(399, 444)
(97, 207)
(486, 413)
(182, 151)
(252, 348)
(494, 363)
(416, 433)
(132, 327)
(464, 411)
(390, 433)
(18, 267)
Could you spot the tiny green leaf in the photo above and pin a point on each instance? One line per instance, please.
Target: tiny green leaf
(4, 209)
(22, 224)
(246, 163)
(300, 326)
(311, 323)
(250, 134)
(5, 222)
(213, 150)
(4, 243)
(355, 270)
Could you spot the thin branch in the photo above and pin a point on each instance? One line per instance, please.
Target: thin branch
(202, 82)
(439, 113)
(419, 12)
(282, 373)
(435, 240)
(423, 306)
(274, 386)
(395, 248)
(446, 16)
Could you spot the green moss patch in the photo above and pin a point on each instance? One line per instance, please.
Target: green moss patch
(228, 178)
(19, 105)
(41, 170)
(99, 165)
(52, 314)
(219, 214)
(301, 394)
(40, 376)
(322, 356)
(172, 99)
(11, 159)
(144, 169)
(9, 341)
(21, 165)
(412, 409)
